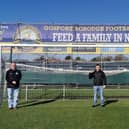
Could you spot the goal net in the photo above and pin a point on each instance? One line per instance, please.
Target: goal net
(61, 71)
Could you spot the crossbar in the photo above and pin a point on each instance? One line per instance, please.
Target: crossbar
(116, 45)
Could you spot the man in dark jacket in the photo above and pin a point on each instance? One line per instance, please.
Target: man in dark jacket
(13, 77)
(99, 80)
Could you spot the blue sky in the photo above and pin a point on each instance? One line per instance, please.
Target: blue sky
(65, 11)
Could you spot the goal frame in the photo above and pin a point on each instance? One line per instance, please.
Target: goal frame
(88, 45)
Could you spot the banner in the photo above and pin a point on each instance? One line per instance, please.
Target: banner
(40, 33)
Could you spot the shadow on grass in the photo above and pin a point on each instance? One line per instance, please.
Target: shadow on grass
(36, 102)
(39, 102)
(107, 102)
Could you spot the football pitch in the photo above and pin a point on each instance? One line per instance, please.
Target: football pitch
(68, 114)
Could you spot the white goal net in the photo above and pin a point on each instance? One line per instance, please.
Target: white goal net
(65, 64)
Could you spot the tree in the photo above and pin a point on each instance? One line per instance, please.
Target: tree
(68, 57)
(98, 58)
(107, 58)
(40, 59)
(120, 58)
(78, 58)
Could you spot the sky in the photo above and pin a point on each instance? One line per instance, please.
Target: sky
(65, 11)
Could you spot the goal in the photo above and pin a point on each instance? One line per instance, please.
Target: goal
(61, 70)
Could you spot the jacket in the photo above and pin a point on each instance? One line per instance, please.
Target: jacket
(13, 75)
(99, 78)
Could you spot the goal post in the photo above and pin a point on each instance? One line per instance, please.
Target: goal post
(2, 74)
(0, 77)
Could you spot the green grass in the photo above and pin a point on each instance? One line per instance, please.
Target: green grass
(67, 114)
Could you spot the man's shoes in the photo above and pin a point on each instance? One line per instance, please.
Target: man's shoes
(103, 105)
(93, 106)
(11, 108)
(96, 106)
(15, 108)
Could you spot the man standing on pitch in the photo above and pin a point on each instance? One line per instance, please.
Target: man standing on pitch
(99, 83)
(13, 77)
